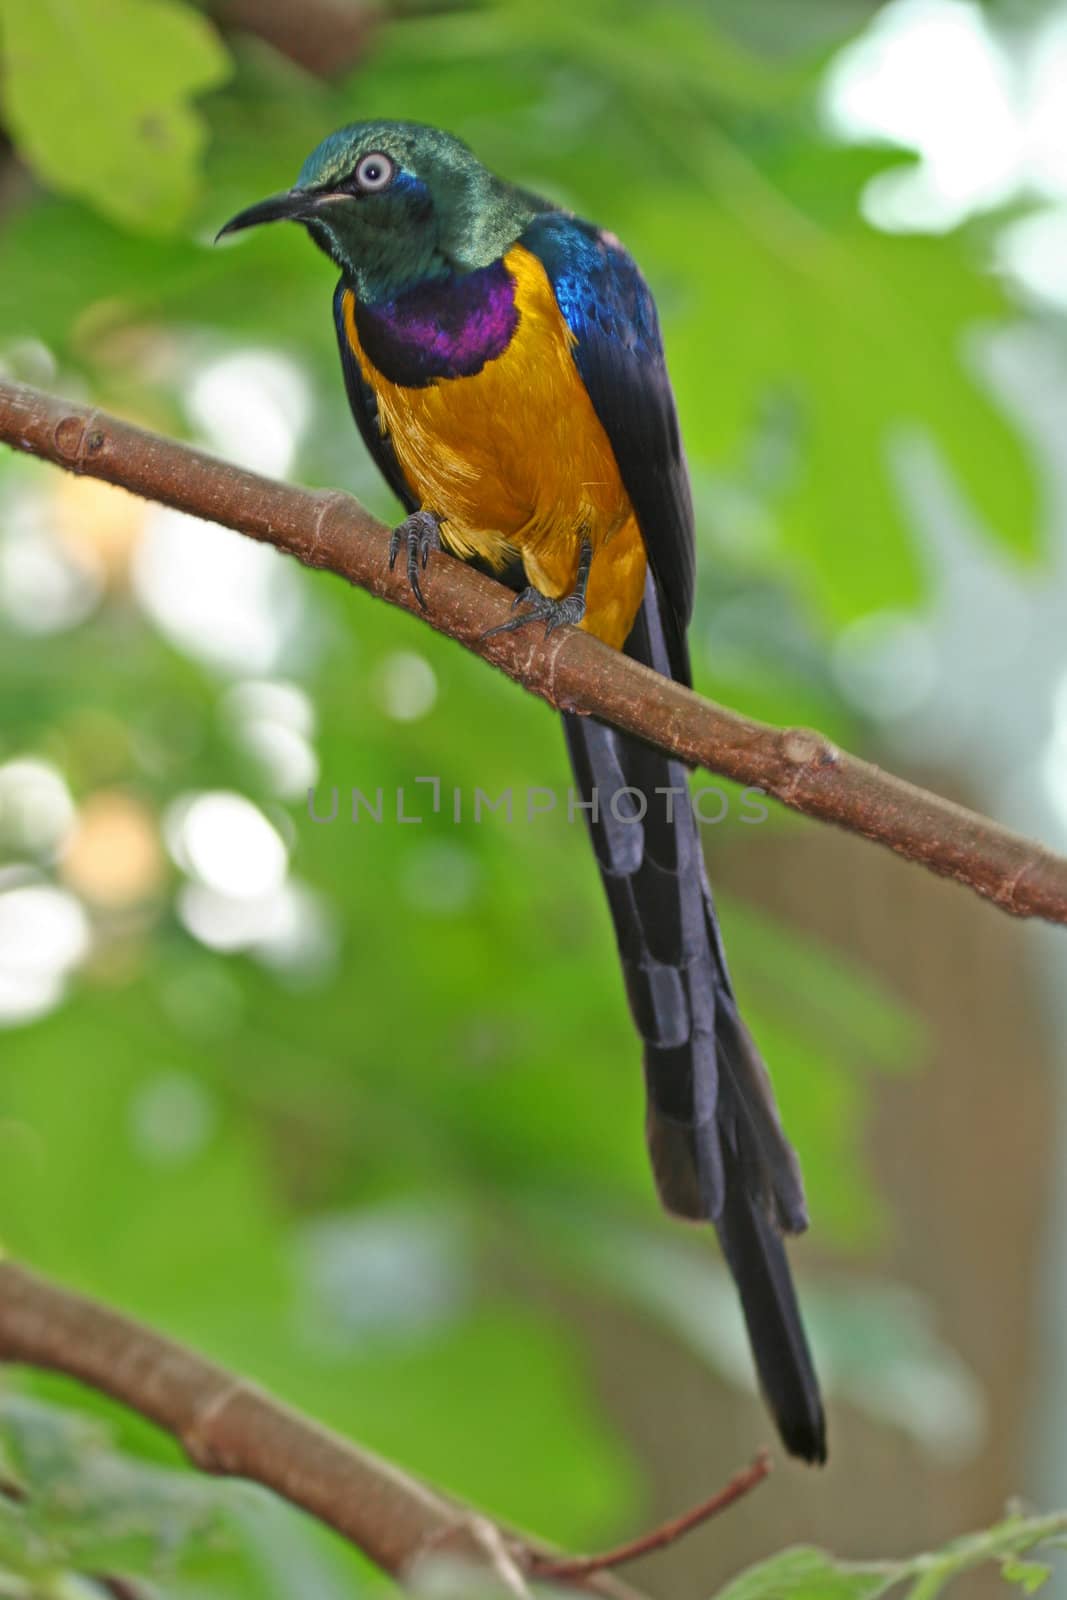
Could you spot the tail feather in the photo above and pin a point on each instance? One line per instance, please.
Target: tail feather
(769, 1169)
(715, 1138)
(756, 1256)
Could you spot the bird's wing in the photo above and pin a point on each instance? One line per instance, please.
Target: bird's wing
(610, 312)
(364, 404)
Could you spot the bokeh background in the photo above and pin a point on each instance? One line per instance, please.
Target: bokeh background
(356, 1107)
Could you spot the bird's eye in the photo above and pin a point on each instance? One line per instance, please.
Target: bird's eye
(375, 171)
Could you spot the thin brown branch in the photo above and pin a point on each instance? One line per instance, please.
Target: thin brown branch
(326, 37)
(116, 1587)
(232, 1428)
(571, 670)
(741, 1484)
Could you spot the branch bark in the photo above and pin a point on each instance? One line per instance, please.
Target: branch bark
(231, 1428)
(571, 670)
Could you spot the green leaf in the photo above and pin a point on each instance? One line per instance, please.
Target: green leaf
(1029, 1576)
(97, 98)
(1006, 1542)
(805, 1574)
(808, 1574)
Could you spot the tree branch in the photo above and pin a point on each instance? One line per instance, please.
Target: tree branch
(571, 670)
(741, 1484)
(231, 1428)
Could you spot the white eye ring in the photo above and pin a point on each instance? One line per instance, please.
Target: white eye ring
(375, 171)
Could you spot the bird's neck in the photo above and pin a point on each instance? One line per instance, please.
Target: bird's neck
(472, 226)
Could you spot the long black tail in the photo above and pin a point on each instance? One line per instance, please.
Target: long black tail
(714, 1135)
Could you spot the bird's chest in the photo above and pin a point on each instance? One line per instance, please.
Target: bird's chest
(479, 394)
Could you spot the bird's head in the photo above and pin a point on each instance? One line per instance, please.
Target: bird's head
(397, 203)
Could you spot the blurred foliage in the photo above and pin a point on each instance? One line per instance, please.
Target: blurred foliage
(83, 1520)
(359, 1173)
(90, 1509)
(98, 100)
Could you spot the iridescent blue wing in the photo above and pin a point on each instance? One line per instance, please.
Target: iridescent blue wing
(618, 351)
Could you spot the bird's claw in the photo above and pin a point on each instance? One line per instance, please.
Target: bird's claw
(421, 532)
(553, 613)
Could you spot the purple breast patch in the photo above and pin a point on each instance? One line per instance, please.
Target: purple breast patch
(445, 329)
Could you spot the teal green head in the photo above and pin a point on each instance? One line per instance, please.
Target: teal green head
(396, 204)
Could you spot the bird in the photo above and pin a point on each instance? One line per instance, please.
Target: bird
(504, 365)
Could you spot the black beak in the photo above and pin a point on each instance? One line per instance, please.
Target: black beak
(294, 206)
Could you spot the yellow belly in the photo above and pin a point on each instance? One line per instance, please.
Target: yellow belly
(516, 461)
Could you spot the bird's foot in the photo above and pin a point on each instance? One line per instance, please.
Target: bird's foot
(421, 533)
(542, 608)
(553, 613)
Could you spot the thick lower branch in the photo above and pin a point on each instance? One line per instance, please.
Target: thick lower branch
(231, 1427)
(571, 670)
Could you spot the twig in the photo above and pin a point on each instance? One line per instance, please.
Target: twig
(116, 1587)
(12, 1491)
(232, 1428)
(326, 37)
(740, 1484)
(571, 670)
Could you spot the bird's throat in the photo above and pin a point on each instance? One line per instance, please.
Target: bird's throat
(446, 328)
